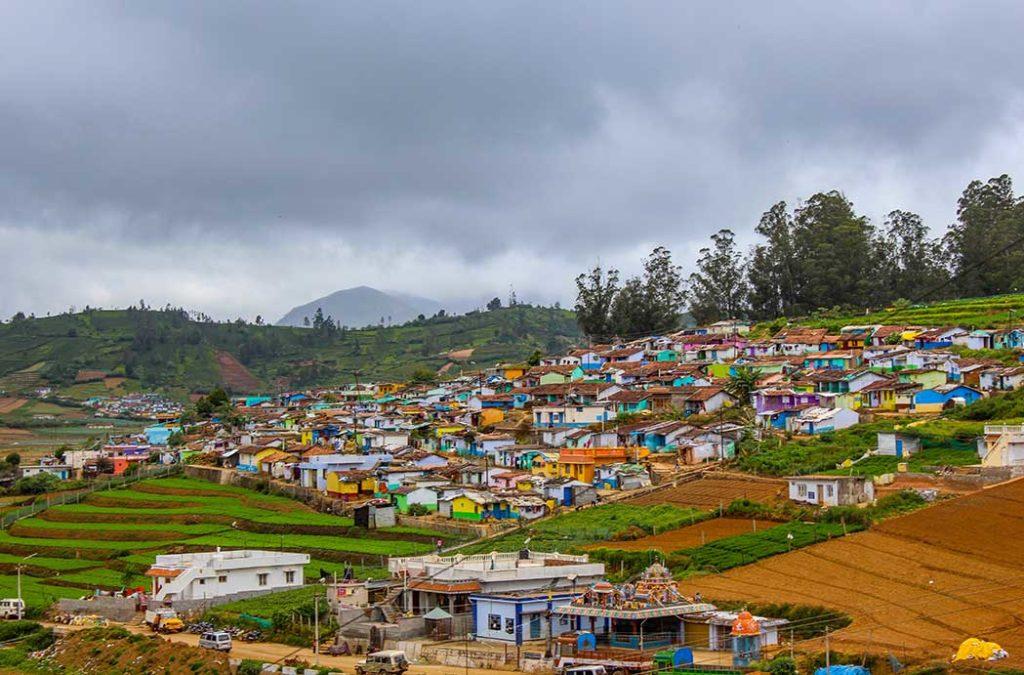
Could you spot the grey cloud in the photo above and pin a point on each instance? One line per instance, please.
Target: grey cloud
(556, 131)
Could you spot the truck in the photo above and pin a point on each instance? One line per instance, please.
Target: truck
(164, 620)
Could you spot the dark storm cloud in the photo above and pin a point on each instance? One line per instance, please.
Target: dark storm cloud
(204, 144)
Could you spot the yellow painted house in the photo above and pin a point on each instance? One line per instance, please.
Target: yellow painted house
(346, 486)
(545, 464)
(929, 379)
(513, 372)
(250, 461)
(450, 429)
(490, 416)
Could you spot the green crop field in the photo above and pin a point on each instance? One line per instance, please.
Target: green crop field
(574, 530)
(113, 536)
(744, 549)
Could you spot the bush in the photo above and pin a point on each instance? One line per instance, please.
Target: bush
(418, 510)
(36, 485)
(250, 667)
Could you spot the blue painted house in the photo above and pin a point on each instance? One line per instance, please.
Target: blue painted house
(938, 398)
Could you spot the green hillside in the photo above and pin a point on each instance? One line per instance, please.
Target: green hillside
(995, 311)
(167, 349)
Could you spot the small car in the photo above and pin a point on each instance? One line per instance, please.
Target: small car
(216, 640)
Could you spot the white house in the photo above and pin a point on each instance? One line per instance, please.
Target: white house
(820, 420)
(570, 415)
(61, 471)
(831, 490)
(217, 574)
(896, 444)
(385, 440)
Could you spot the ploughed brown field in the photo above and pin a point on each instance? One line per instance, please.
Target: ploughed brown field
(917, 585)
(715, 490)
(690, 536)
(8, 404)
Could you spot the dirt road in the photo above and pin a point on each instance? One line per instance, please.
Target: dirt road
(272, 652)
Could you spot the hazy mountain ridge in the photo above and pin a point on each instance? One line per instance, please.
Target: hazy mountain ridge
(362, 306)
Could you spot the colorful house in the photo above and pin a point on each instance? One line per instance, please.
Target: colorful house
(249, 458)
(939, 398)
(475, 506)
(406, 497)
(351, 485)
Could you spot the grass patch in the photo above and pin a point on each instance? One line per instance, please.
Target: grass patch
(576, 529)
(944, 441)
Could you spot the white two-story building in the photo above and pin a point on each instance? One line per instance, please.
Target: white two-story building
(216, 574)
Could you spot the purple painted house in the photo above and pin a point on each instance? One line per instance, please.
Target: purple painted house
(770, 400)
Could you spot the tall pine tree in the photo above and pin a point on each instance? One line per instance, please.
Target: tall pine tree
(718, 289)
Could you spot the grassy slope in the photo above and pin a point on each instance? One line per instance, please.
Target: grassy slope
(180, 354)
(989, 312)
(945, 442)
(89, 545)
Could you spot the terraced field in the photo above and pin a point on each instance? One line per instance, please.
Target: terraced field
(113, 536)
(919, 583)
(714, 490)
(691, 536)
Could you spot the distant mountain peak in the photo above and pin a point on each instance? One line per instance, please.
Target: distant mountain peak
(362, 306)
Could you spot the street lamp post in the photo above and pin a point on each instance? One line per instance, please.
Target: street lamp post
(21, 603)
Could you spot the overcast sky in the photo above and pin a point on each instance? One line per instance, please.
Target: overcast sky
(243, 157)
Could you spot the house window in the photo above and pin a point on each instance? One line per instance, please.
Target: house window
(829, 490)
(289, 577)
(510, 626)
(494, 622)
(261, 579)
(223, 579)
(801, 490)
(202, 582)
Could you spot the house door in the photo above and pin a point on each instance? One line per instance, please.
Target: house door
(535, 626)
(821, 493)
(899, 449)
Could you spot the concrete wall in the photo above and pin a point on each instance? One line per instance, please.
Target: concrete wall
(115, 609)
(459, 654)
(199, 606)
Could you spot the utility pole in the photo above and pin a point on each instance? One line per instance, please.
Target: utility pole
(316, 629)
(828, 656)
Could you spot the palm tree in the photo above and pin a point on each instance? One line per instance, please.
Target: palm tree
(742, 383)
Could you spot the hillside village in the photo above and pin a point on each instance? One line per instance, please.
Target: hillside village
(523, 469)
(517, 441)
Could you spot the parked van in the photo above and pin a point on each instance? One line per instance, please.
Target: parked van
(11, 607)
(217, 640)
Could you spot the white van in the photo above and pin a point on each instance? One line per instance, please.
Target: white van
(217, 640)
(10, 607)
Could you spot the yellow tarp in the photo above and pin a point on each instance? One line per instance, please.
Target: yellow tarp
(973, 648)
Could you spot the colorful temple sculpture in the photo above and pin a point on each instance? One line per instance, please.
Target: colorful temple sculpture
(648, 614)
(746, 640)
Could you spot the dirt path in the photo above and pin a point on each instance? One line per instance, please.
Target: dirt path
(234, 375)
(273, 652)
